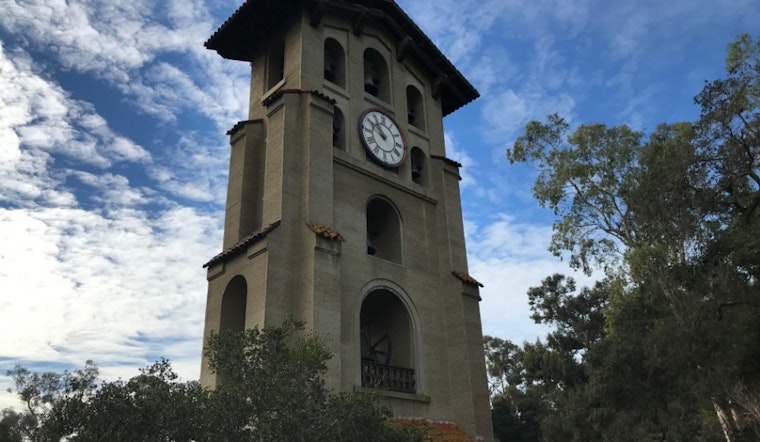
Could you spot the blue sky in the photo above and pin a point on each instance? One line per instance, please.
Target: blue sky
(113, 157)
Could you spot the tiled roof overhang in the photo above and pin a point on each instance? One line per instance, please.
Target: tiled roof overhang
(467, 279)
(241, 37)
(325, 232)
(243, 244)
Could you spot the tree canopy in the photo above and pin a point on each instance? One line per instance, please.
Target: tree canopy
(666, 345)
(272, 389)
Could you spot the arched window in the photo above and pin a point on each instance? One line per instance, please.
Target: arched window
(414, 109)
(376, 81)
(233, 305)
(383, 230)
(338, 132)
(387, 350)
(335, 65)
(419, 173)
(275, 63)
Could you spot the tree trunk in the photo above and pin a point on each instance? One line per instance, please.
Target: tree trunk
(726, 421)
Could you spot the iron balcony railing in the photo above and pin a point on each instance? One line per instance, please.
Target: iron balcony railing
(388, 377)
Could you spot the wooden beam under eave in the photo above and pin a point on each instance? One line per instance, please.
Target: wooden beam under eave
(360, 20)
(317, 11)
(439, 83)
(402, 49)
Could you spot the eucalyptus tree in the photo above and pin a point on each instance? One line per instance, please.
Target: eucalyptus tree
(673, 220)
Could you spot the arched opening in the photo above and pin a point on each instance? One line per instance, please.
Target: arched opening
(275, 63)
(383, 230)
(418, 166)
(415, 114)
(335, 69)
(338, 132)
(376, 80)
(387, 350)
(233, 305)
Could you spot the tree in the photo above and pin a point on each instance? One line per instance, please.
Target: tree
(673, 218)
(10, 426)
(43, 393)
(530, 384)
(729, 136)
(272, 389)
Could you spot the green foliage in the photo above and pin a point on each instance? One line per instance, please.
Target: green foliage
(579, 319)
(272, 390)
(11, 426)
(532, 384)
(44, 394)
(585, 182)
(511, 425)
(666, 346)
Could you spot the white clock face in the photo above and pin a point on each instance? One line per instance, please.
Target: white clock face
(382, 137)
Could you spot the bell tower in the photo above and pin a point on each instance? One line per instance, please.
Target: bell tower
(342, 208)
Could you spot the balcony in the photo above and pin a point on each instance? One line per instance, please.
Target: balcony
(388, 377)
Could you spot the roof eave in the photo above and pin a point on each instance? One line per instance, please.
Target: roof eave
(252, 20)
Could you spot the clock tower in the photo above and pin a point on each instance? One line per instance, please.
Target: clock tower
(343, 209)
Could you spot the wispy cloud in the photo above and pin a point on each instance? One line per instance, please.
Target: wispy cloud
(509, 256)
(83, 285)
(98, 257)
(124, 44)
(39, 121)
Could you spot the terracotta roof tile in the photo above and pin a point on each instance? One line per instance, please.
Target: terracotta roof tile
(243, 244)
(446, 160)
(240, 124)
(467, 279)
(325, 232)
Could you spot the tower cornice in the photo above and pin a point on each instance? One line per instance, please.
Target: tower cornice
(241, 35)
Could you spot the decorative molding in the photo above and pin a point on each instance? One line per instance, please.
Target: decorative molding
(276, 95)
(344, 159)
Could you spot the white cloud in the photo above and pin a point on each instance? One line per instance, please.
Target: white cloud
(92, 283)
(85, 285)
(507, 112)
(41, 120)
(457, 27)
(508, 257)
(123, 44)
